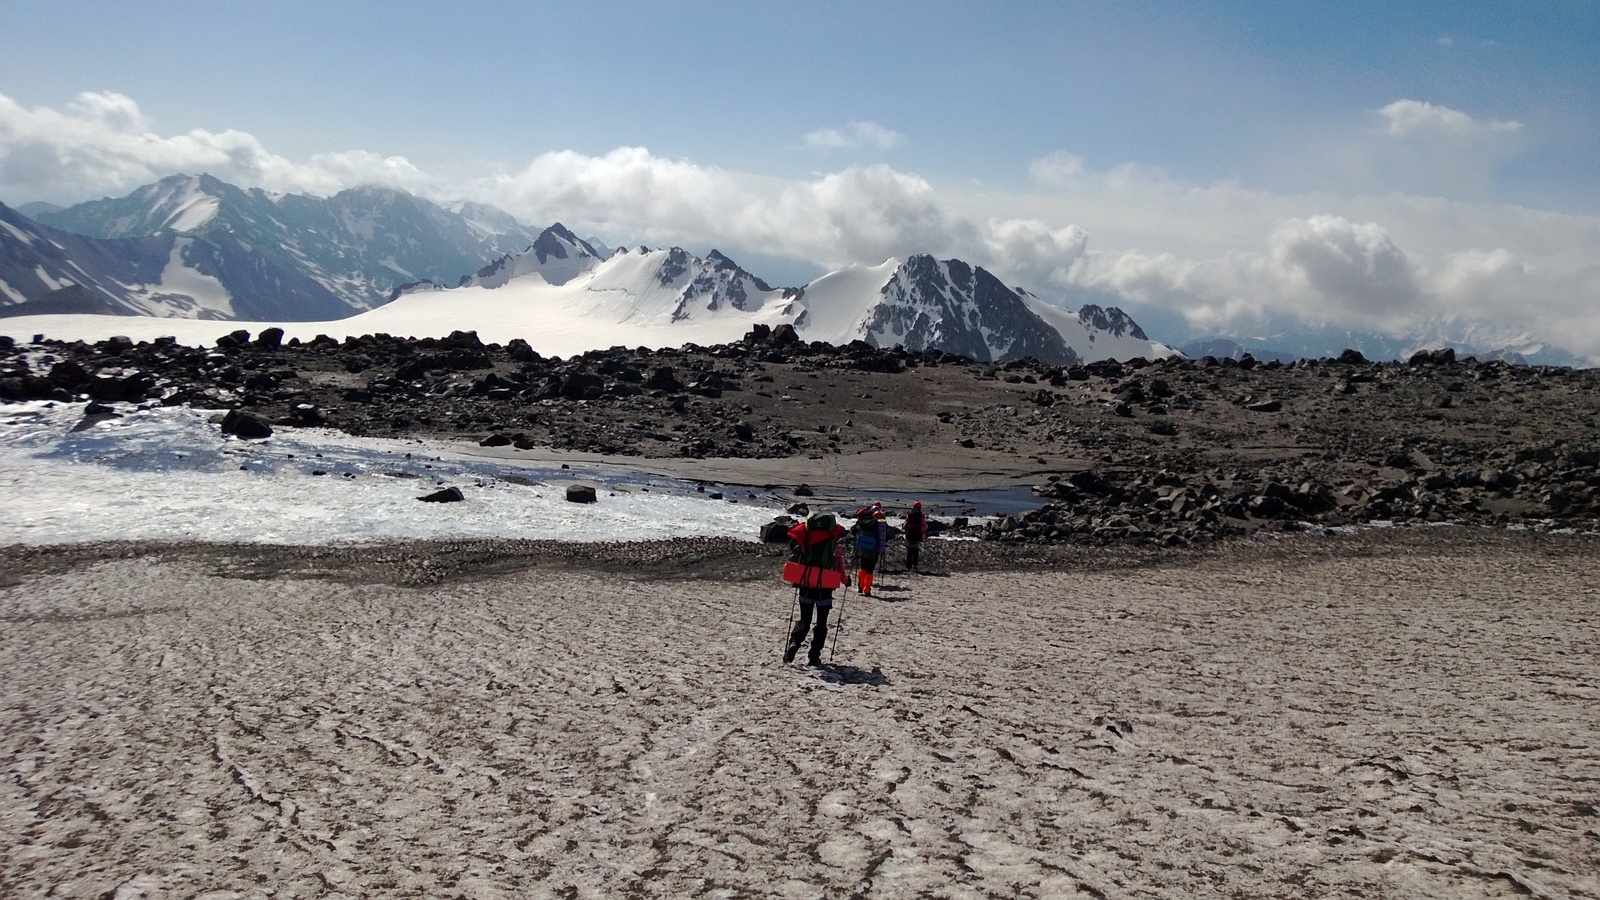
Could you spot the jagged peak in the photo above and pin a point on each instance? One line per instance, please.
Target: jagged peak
(554, 241)
(562, 231)
(1112, 320)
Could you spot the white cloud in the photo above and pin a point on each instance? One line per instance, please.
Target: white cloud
(854, 136)
(102, 143)
(1417, 118)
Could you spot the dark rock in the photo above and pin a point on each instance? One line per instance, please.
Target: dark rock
(663, 379)
(245, 425)
(115, 346)
(581, 493)
(804, 490)
(68, 374)
(495, 440)
(777, 531)
(450, 494)
(583, 386)
(784, 335)
(1091, 482)
(234, 339)
(270, 338)
(108, 387)
(1264, 406)
(519, 350)
(1352, 357)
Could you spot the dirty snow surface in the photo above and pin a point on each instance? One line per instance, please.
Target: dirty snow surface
(1410, 713)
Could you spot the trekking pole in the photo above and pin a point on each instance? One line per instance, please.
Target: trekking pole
(788, 628)
(837, 629)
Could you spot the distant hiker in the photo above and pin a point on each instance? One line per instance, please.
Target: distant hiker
(872, 536)
(815, 569)
(916, 530)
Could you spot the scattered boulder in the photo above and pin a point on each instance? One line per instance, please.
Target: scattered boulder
(450, 494)
(777, 531)
(581, 493)
(245, 425)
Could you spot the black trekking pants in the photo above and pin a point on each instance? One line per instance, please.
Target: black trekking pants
(913, 550)
(819, 637)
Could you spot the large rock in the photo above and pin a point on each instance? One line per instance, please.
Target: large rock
(777, 531)
(450, 494)
(245, 425)
(581, 493)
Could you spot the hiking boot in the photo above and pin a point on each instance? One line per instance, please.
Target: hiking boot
(789, 652)
(814, 662)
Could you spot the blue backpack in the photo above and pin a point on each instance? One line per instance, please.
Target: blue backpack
(867, 536)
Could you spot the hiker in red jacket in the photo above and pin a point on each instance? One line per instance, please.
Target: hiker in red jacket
(916, 530)
(820, 567)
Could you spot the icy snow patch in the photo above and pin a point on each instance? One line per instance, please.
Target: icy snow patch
(49, 282)
(21, 235)
(178, 279)
(168, 474)
(194, 208)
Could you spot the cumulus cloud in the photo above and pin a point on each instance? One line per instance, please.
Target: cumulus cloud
(1323, 270)
(858, 214)
(1032, 254)
(102, 143)
(854, 136)
(1417, 118)
(1329, 271)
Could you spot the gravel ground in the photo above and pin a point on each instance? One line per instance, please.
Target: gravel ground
(1394, 713)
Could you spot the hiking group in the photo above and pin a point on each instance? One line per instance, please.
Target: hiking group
(817, 567)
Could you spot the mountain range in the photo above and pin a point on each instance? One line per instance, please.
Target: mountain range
(374, 260)
(196, 247)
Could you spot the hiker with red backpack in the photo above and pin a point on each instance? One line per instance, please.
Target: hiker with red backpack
(815, 569)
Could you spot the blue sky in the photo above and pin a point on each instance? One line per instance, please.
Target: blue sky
(1239, 167)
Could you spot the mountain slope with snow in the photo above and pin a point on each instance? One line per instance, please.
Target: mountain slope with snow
(204, 275)
(958, 308)
(359, 244)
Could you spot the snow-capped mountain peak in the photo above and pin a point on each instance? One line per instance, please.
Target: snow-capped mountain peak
(557, 256)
